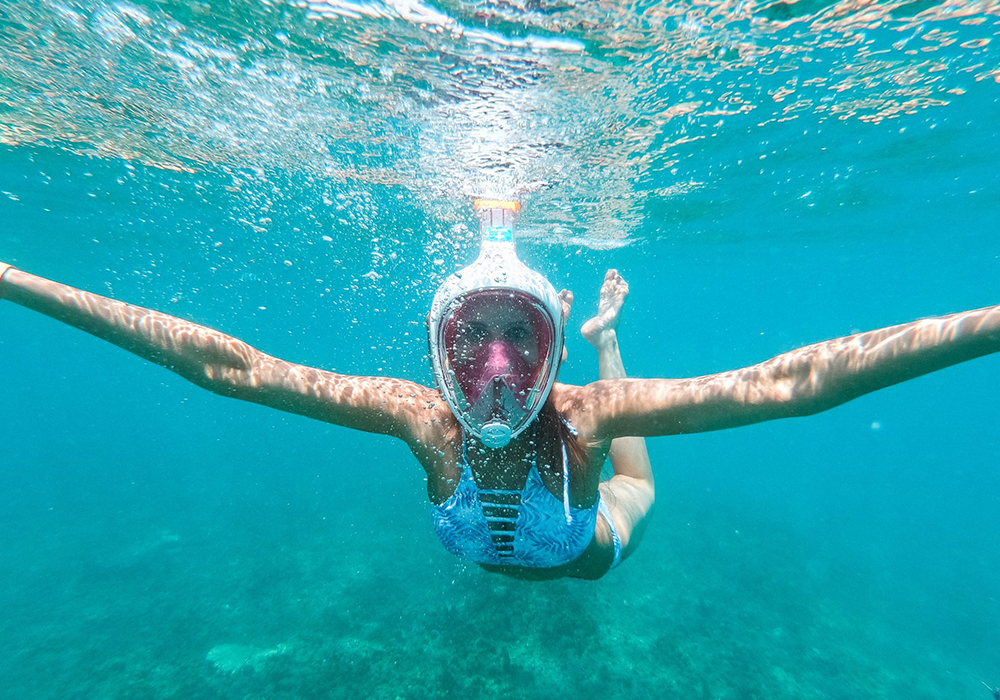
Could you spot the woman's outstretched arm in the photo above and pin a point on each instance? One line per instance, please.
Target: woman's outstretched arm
(228, 366)
(798, 383)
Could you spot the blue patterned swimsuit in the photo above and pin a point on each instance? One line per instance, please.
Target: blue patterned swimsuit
(514, 527)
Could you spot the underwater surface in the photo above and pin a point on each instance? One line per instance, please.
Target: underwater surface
(297, 174)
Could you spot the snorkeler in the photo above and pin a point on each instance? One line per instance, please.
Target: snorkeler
(994, 691)
(513, 459)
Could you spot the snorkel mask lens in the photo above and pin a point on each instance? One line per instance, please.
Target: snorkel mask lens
(498, 347)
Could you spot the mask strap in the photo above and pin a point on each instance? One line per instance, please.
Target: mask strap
(569, 516)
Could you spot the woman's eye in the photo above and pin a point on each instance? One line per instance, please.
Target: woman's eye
(516, 334)
(476, 332)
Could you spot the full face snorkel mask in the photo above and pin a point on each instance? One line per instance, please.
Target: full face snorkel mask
(496, 335)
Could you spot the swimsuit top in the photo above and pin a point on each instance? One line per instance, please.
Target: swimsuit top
(513, 527)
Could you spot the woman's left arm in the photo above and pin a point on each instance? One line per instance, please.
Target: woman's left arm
(797, 383)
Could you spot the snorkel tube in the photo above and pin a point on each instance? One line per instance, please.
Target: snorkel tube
(498, 410)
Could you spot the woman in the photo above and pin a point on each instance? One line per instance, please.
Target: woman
(513, 459)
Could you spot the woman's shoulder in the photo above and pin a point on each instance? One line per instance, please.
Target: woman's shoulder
(431, 411)
(574, 403)
(567, 397)
(436, 438)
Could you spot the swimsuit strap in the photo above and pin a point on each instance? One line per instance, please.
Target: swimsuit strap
(566, 511)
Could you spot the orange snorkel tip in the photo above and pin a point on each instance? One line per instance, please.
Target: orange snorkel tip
(496, 218)
(511, 205)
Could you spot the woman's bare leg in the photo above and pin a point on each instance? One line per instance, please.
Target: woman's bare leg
(629, 494)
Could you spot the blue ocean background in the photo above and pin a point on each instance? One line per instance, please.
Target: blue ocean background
(163, 542)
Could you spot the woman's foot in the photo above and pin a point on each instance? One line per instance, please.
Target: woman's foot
(601, 327)
(566, 302)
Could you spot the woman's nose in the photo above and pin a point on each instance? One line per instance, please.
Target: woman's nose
(499, 356)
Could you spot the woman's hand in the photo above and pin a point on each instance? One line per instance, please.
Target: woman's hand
(3, 269)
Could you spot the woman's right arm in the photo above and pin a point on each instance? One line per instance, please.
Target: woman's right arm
(801, 382)
(230, 367)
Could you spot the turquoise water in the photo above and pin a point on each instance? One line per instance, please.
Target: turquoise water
(297, 175)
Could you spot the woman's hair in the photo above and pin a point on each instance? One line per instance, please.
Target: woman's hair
(555, 429)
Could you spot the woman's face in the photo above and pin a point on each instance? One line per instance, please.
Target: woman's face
(509, 325)
(498, 334)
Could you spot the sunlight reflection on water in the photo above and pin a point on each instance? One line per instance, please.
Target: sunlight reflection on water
(593, 108)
